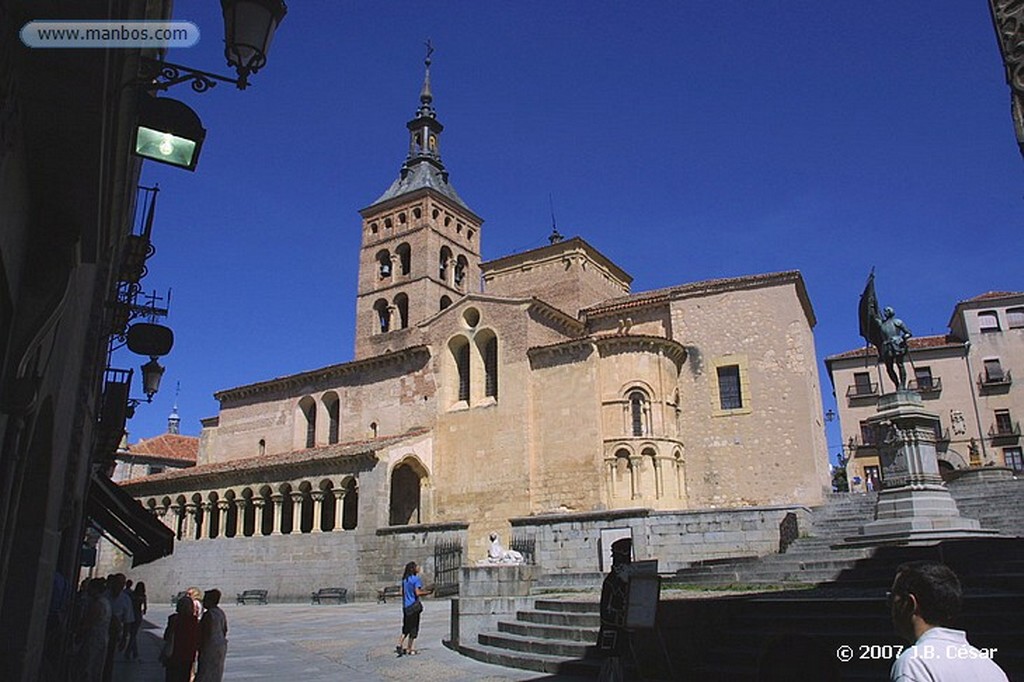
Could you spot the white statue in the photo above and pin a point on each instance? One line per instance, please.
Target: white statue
(499, 555)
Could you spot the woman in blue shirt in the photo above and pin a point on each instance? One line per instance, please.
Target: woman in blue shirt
(412, 590)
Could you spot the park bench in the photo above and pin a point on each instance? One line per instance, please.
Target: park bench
(339, 593)
(388, 591)
(258, 596)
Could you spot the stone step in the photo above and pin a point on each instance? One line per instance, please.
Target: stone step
(567, 606)
(544, 647)
(566, 618)
(567, 668)
(555, 632)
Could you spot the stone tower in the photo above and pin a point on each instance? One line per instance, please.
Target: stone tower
(421, 244)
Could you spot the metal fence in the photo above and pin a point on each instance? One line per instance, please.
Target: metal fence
(447, 562)
(525, 546)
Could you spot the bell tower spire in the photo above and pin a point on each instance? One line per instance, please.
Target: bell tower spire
(425, 129)
(421, 243)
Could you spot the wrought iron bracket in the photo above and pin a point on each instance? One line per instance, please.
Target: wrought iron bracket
(157, 76)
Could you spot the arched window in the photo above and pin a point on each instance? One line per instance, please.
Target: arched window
(384, 263)
(288, 511)
(445, 302)
(489, 350)
(308, 408)
(459, 347)
(402, 306)
(333, 406)
(262, 447)
(461, 265)
(248, 514)
(639, 411)
(350, 508)
(405, 496)
(383, 315)
(445, 258)
(404, 258)
(231, 515)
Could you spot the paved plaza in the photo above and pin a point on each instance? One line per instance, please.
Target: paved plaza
(328, 643)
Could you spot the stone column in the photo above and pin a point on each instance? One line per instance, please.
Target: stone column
(339, 508)
(914, 506)
(212, 528)
(450, 271)
(278, 500)
(396, 265)
(191, 522)
(297, 499)
(634, 477)
(259, 505)
(222, 517)
(318, 510)
(610, 480)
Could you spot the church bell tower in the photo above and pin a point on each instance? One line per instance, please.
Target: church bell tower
(420, 243)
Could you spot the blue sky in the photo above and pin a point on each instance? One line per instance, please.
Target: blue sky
(685, 140)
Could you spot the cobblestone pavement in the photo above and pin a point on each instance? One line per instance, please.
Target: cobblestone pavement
(335, 643)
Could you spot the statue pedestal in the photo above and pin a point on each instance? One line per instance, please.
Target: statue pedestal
(914, 506)
(487, 594)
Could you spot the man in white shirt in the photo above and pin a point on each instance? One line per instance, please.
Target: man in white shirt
(924, 600)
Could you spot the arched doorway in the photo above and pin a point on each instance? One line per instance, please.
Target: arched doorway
(405, 495)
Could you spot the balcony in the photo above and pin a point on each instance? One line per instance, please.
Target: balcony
(1004, 433)
(926, 387)
(990, 382)
(861, 391)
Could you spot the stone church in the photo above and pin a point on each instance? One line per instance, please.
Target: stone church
(532, 394)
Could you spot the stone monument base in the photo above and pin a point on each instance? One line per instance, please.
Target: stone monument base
(914, 508)
(486, 594)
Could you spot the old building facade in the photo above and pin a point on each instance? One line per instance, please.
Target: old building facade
(531, 390)
(965, 376)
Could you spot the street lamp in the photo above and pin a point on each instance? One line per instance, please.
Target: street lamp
(168, 131)
(249, 27)
(152, 373)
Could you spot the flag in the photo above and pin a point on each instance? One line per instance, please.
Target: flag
(868, 314)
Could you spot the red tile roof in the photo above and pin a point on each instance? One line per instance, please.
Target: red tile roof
(168, 446)
(283, 459)
(987, 296)
(915, 343)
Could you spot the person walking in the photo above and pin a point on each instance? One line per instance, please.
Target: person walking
(181, 640)
(412, 607)
(139, 607)
(213, 639)
(92, 631)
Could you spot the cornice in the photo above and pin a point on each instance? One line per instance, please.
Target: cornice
(322, 374)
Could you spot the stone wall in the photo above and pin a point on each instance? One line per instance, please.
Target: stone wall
(570, 543)
(364, 560)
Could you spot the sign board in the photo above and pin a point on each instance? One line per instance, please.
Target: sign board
(644, 593)
(608, 536)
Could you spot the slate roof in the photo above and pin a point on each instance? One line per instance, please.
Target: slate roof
(422, 175)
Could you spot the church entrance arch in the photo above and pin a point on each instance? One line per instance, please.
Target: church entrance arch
(406, 485)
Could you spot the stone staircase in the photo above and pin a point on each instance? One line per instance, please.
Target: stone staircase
(817, 556)
(720, 639)
(554, 636)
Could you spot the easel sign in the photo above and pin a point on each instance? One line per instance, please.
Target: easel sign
(644, 594)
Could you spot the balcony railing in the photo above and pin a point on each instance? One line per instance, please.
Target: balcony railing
(926, 386)
(994, 380)
(1004, 431)
(855, 391)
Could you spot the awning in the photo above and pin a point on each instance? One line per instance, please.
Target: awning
(126, 523)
